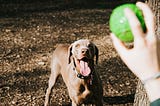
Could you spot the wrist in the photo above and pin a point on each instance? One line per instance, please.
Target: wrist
(153, 89)
(152, 77)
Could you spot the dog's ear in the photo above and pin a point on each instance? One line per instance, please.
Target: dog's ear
(96, 52)
(69, 54)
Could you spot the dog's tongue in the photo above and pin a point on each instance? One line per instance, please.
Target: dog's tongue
(84, 69)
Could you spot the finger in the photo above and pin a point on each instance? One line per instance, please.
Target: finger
(119, 46)
(135, 26)
(149, 21)
(148, 16)
(134, 23)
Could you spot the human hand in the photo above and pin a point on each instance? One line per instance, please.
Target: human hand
(142, 59)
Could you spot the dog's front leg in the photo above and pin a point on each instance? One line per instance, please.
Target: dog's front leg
(51, 83)
(55, 71)
(47, 97)
(74, 104)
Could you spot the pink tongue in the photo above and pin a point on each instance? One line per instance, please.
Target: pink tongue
(84, 69)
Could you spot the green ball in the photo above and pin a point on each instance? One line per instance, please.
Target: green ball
(119, 24)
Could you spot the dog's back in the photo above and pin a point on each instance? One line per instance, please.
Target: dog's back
(60, 54)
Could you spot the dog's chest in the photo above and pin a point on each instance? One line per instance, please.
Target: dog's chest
(87, 84)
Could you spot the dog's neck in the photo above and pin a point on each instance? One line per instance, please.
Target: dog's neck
(89, 78)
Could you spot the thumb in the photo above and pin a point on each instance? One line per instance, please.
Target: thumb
(119, 46)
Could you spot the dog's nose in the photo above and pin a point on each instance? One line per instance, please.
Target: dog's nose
(84, 51)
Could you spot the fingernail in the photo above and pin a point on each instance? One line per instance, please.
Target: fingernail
(126, 10)
(138, 3)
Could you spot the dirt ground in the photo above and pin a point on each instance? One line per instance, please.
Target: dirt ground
(27, 40)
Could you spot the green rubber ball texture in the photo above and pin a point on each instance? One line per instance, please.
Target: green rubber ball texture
(119, 24)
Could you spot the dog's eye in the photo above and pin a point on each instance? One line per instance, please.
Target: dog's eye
(77, 46)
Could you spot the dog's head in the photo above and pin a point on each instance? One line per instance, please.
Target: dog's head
(83, 52)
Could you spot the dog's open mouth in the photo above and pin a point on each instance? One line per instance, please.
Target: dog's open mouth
(84, 67)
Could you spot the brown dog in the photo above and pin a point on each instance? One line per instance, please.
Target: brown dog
(76, 65)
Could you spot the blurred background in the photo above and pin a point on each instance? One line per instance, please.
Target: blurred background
(39, 5)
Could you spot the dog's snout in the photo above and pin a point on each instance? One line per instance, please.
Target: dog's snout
(84, 51)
